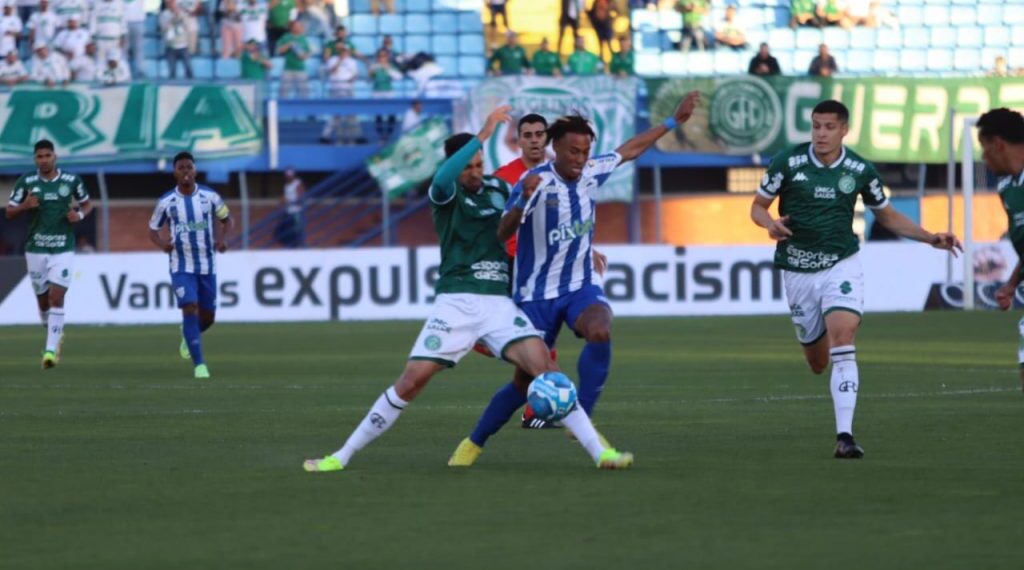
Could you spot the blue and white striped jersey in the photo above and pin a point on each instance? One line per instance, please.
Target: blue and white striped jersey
(554, 256)
(191, 220)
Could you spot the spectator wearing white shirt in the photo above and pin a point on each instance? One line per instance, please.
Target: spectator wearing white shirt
(135, 29)
(42, 25)
(729, 32)
(230, 29)
(413, 117)
(192, 9)
(116, 72)
(108, 27)
(72, 39)
(83, 65)
(342, 72)
(254, 22)
(12, 71)
(175, 34)
(10, 29)
(67, 9)
(49, 69)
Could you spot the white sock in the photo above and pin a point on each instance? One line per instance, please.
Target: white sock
(578, 422)
(44, 317)
(382, 415)
(845, 382)
(54, 328)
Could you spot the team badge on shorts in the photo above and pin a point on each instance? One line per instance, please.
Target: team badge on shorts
(432, 342)
(519, 322)
(180, 292)
(847, 184)
(845, 288)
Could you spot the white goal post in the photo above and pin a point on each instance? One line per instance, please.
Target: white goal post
(967, 185)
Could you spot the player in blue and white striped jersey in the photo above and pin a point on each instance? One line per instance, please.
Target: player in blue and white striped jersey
(189, 211)
(553, 210)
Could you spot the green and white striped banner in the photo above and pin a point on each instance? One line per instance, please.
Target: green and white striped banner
(411, 159)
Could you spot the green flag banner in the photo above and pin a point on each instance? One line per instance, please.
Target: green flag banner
(411, 159)
(140, 121)
(891, 119)
(609, 103)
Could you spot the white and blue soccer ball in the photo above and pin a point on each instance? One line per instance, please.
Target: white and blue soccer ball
(552, 396)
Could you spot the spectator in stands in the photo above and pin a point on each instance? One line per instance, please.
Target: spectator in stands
(12, 71)
(290, 231)
(72, 39)
(858, 13)
(108, 28)
(175, 34)
(42, 25)
(569, 16)
(389, 5)
(83, 65)
(116, 72)
(882, 16)
(823, 64)
(295, 48)
(341, 35)
(413, 117)
(254, 64)
(67, 9)
(10, 29)
(583, 62)
(342, 72)
(602, 16)
(511, 58)
(546, 63)
(730, 32)
(191, 9)
(999, 68)
(497, 8)
(253, 15)
(312, 12)
(50, 69)
(694, 12)
(230, 29)
(803, 13)
(135, 26)
(764, 63)
(831, 13)
(382, 76)
(622, 61)
(278, 16)
(25, 8)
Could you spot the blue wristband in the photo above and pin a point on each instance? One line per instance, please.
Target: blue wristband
(670, 123)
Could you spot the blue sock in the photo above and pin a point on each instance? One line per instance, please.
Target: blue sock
(505, 402)
(190, 329)
(592, 367)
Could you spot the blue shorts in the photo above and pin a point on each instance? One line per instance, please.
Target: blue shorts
(190, 288)
(548, 315)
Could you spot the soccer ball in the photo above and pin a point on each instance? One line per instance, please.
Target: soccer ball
(552, 396)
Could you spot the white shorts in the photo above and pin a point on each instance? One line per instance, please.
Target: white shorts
(460, 320)
(813, 295)
(46, 268)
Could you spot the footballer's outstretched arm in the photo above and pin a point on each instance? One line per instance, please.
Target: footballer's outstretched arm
(639, 144)
(903, 226)
(521, 194)
(442, 187)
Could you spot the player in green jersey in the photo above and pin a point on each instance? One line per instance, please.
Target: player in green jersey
(1001, 134)
(472, 303)
(818, 184)
(49, 196)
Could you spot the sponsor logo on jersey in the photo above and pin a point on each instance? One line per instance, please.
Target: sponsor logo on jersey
(186, 227)
(803, 259)
(800, 177)
(847, 184)
(568, 232)
(824, 193)
(772, 185)
(797, 161)
(490, 271)
(438, 325)
(855, 165)
(1018, 219)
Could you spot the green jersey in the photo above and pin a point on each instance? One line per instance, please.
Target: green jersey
(49, 230)
(1011, 191)
(803, 7)
(511, 60)
(252, 68)
(622, 62)
(819, 201)
(298, 45)
(695, 16)
(583, 63)
(545, 63)
(281, 14)
(473, 260)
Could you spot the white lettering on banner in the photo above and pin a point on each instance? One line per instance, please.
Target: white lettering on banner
(799, 91)
(887, 118)
(397, 283)
(927, 125)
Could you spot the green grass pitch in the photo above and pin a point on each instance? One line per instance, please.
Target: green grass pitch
(119, 459)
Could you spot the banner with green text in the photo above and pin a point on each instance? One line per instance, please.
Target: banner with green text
(609, 103)
(141, 121)
(412, 159)
(891, 119)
